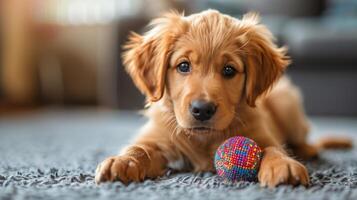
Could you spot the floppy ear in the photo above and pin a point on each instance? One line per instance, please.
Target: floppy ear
(146, 58)
(265, 62)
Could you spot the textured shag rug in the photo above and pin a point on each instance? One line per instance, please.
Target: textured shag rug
(53, 155)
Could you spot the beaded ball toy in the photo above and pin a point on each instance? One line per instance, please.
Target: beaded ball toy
(238, 159)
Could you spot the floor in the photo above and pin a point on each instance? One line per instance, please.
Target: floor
(52, 154)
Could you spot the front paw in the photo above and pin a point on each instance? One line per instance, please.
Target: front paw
(120, 168)
(282, 170)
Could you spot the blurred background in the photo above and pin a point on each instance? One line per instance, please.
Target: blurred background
(66, 53)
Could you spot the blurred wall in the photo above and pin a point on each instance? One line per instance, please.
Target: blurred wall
(67, 51)
(18, 83)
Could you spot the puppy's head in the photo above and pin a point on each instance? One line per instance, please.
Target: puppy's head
(206, 64)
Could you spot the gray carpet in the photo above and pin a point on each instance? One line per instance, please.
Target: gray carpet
(53, 154)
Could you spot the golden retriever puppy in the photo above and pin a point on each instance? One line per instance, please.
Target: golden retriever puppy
(208, 77)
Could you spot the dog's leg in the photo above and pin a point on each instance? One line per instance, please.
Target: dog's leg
(136, 163)
(305, 151)
(309, 151)
(278, 168)
(147, 157)
(337, 142)
(285, 106)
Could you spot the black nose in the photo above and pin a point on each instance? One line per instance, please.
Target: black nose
(202, 110)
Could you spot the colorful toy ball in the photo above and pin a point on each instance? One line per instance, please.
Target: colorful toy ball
(238, 159)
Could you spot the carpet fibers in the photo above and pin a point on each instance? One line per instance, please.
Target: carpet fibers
(53, 154)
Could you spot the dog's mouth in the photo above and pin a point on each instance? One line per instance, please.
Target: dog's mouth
(198, 127)
(202, 129)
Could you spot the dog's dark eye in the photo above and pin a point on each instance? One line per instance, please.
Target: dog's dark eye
(184, 67)
(228, 71)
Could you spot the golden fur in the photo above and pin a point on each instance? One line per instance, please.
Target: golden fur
(247, 104)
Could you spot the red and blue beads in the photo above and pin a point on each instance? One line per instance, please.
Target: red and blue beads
(238, 159)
